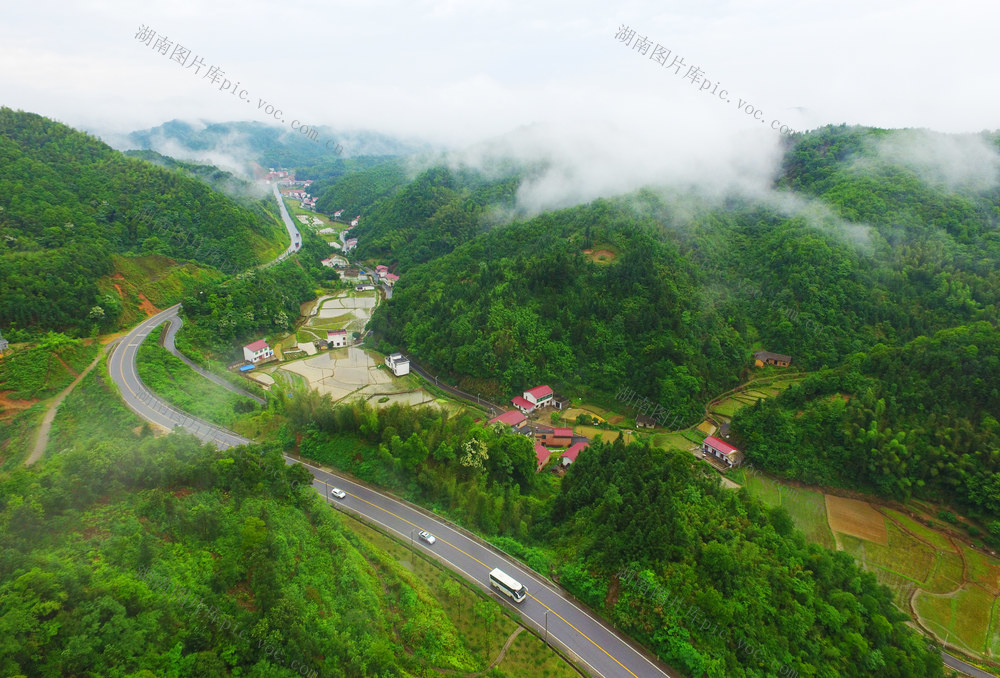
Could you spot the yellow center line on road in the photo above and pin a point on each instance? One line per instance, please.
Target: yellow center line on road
(443, 541)
(593, 642)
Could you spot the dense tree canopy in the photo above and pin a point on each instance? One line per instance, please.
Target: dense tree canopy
(68, 203)
(717, 584)
(917, 420)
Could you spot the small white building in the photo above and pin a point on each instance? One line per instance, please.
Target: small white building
(398, 364)
(336, 338)
(257, 351)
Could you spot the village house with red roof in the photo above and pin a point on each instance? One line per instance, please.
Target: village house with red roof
(336, 338)
(510, 418)
(554, 437)
(257, 351)
(523, 405)
(570, 455)
(722, 451)
(540, 396)
(541, 457)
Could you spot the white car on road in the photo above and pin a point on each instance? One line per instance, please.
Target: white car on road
(338, 493)
(426, 536)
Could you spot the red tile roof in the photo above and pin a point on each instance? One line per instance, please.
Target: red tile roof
(391, 276)
(541, 454)
(540, 392)
(331, 333)
(522, 403)
(574, 451)
(257, 345)
(510, 417)
(720, 445)
(563, 433)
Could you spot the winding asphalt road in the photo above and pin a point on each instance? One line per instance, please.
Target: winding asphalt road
(294, 237)
(145, 403)
(968, 669)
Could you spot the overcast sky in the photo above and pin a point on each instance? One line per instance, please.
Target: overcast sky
(457, 71)
(541, 79)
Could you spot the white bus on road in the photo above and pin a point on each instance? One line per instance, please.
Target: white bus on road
(507, 586)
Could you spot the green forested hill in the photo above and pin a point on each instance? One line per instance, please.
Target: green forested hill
(424, 218)
(819, 270)
(220, 180)
(68, 203)
(717, 584)
(355, 191)
(916, 420)
(524, 304)
(271, 145)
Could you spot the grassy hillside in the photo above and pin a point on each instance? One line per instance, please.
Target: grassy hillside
(31, 374)
(43, 369)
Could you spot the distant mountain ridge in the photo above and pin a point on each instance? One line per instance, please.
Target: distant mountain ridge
(240, 145)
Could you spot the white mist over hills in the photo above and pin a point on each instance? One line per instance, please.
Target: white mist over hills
(954, 162)
(574, 163)
(581, 162)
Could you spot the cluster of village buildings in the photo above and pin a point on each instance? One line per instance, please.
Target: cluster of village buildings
(284, 178)
(366, 279)
(306, 201)
(544, 436)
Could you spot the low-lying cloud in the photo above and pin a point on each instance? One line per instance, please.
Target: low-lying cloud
(958, 162)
